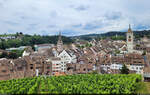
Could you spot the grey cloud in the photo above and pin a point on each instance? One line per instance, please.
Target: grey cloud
(113, 15)
(53, 14)
(82, 8)
(49, 16)
(11, 23)
(77, 26)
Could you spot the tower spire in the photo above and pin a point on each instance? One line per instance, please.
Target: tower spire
(129, 26)
(59, 43)
(59, 39)
(129, 30)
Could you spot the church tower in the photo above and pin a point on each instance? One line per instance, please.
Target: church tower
(59, 43)
(129, 39)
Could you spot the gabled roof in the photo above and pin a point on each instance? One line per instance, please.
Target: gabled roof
(69, 52)
(19, 61)
(134, 55)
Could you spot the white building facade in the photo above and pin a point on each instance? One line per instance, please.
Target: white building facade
(56, 65)
(129, 38)
(66, 58)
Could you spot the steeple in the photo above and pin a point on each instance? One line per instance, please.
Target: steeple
(129, 38)
(59, 43)
(129, 30)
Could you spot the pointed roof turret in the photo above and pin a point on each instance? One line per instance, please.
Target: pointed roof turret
(129, 26)
(59, 43)
(59, 35)
(129, 30)
(59, 38)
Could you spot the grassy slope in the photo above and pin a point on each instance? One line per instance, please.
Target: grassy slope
(144, 88)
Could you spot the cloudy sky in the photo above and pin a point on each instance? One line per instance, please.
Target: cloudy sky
(73, 17)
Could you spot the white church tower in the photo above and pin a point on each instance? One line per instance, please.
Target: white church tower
(130, 39)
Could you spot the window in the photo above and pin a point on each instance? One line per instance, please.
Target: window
(129, 36)
(36, 63)
(38, 67)
(3, 71)
(19, 68)
(31, 66)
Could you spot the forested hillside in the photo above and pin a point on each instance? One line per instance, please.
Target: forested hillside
(113, 34)
(28, 40)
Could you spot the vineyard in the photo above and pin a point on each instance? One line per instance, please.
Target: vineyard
(73, 84)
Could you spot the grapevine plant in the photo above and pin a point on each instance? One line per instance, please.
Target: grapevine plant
(73, 84)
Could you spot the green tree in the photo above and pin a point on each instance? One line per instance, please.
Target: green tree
(137, 45)
(124, 70)
(2, 45)
(18, 52)
(82, 47)
(3, 55)
(33, 47)
(90, 45)
(28, 40)
(17, 34)
(94, 72)
(144, 52)
(117, 51)
(12, 55)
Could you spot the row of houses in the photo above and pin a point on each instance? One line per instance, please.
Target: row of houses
(23, 67)
(49, 59)
(27, 66)
(135, 63)
(7, 37)
(11, 36)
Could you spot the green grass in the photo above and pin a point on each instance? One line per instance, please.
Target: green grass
(143, 88)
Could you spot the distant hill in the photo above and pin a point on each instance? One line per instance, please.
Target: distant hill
(31, 40)
(137, 34)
